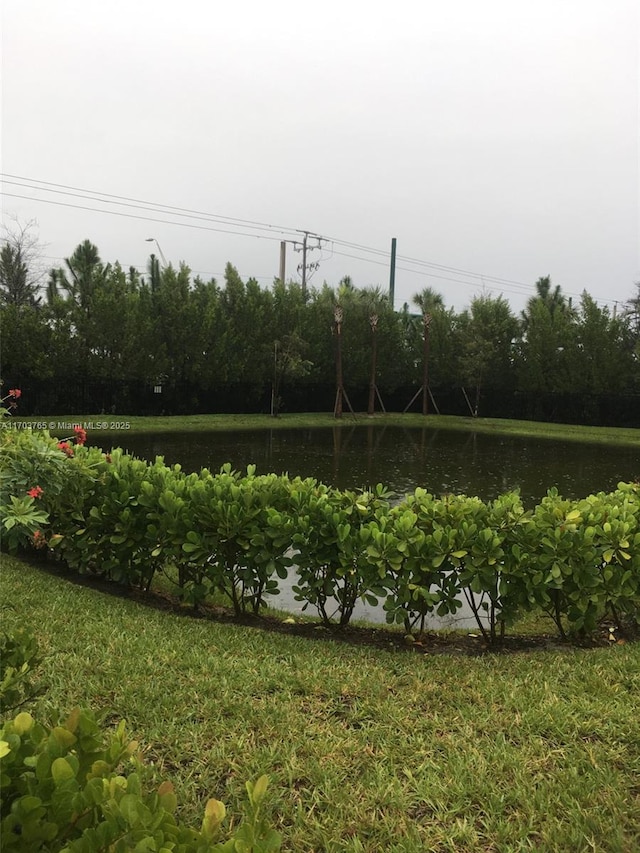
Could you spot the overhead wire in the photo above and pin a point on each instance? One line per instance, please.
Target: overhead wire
(35, 184)
(483, 277)
(483, 280)
(143, 218)
(190, 213)
(203, 218)
(506, 285)
(526, 288)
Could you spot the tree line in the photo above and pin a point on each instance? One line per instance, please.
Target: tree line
(168, 331)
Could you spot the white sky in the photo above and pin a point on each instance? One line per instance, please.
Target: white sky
(498, 137)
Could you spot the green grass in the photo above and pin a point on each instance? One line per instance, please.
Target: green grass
(367, 750)
(202, 423)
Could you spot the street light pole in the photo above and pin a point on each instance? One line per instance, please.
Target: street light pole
(153, 240)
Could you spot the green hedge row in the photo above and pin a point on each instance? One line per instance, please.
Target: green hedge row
(239, 534)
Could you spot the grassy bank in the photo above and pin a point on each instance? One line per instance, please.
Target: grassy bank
(367, 750)
(117, 424)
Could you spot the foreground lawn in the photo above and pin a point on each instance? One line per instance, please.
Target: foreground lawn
(115, 425)
(367, 750)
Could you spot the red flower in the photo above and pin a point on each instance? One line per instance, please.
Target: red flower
(81, 434)
(36, 492)
(39, 539)
(65, 447)
(15, 392)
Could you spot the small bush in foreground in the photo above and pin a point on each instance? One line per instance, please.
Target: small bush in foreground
(72, 788)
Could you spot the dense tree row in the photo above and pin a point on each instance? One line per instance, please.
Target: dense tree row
(99, 321)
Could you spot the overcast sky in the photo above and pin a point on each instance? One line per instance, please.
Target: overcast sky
(498, 138)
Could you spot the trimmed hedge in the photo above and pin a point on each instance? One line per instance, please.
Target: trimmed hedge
(237, 534)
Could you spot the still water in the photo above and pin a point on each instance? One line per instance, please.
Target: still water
(440, 461)
(353, 457)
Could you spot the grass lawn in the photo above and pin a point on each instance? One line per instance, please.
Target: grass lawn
(116, 424)
(367, 750)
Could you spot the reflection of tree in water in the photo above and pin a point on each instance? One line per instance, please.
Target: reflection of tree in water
(373, 446)
(340, 446)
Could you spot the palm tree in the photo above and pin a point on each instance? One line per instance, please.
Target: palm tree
(376, 300)
(428, 301)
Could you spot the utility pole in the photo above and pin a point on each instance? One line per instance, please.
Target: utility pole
(304, 247)
(283, 260)
(392, 273)
(304, 263)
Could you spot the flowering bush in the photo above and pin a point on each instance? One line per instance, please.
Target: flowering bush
(20, 522)
(13, 395)
(37, 481)
(80, 435)
(39, 540)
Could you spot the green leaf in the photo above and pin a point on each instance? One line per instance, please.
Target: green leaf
(259, 790)
(61, 771)
(214, 814)
(23, 723)
(131, 808)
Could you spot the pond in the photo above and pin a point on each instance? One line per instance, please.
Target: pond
(440, 461)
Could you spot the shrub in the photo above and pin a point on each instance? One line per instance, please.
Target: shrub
(18, 658)
(236, 534)
(39, 481)
(330, 534)
(72, 787)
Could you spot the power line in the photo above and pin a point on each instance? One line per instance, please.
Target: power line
(414, 272)
(137, 201)
(151, 207)
(136, 216)
(482, 277)
(203, 218)
(419, 262)
(530, 289)
(188, 213)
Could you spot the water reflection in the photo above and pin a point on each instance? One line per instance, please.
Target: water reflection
(463, 620)
(439, 460)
